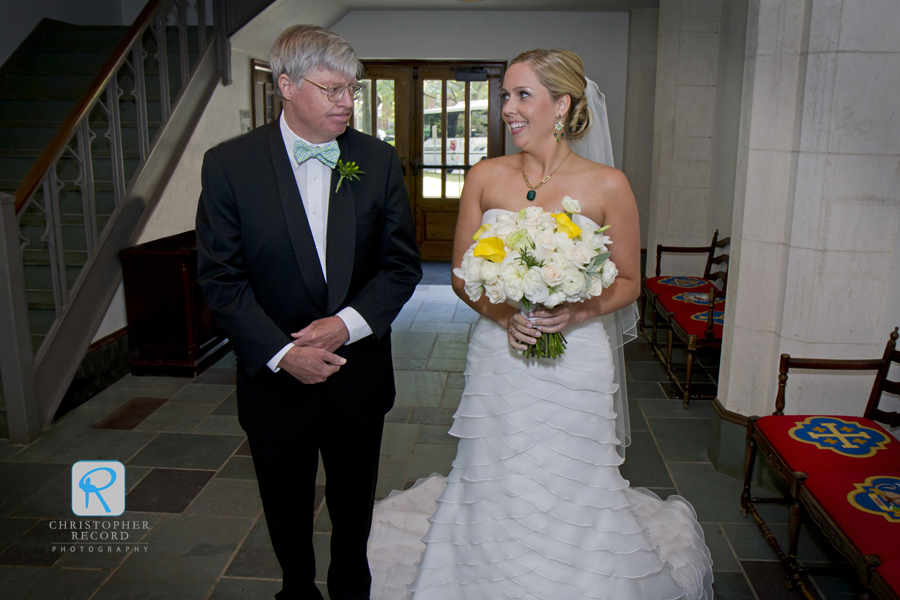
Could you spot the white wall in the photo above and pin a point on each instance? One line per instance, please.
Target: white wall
(601, 39)
(19, 18)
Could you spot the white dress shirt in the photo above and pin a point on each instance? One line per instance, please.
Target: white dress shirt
(313, 179)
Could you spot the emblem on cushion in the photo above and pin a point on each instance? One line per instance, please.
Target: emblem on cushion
(683, 282)
(879, 495)
(692, 298)
(844, 437)
(718, 317)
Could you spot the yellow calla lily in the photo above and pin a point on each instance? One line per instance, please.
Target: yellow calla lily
(481, 231)
(490, 249)
(566, 225)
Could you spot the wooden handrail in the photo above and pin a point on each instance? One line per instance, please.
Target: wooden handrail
(85, 104)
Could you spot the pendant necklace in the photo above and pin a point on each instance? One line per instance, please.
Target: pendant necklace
(532, 191)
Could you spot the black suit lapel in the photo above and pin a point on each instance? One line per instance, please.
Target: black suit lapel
(295, 215)
(341, 235)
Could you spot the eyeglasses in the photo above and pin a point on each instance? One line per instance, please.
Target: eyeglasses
(336, 92)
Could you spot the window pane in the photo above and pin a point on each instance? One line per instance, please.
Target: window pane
(456, 125)
(431, 183)
(478, 120)
(385, 98)
(362, 108)
(455, 179)
(432, 134)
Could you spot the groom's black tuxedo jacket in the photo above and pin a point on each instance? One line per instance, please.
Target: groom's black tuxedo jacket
(261, 276)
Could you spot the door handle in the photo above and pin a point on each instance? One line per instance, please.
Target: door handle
(403, 165)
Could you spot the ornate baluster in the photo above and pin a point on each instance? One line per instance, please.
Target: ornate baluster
(200, 5)
(162, 58)
(85, 182)
(181, 7)
(53, 238)
(114, 135)
(140, 98)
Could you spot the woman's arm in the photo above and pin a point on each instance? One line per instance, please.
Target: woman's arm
(615, 207)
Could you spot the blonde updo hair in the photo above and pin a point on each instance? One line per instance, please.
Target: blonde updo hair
(562, 73)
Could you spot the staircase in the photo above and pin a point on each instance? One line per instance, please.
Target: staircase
(39, 86)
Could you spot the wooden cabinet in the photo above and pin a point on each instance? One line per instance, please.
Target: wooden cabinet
(171, 331)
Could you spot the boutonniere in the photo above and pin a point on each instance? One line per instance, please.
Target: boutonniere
(349, 171)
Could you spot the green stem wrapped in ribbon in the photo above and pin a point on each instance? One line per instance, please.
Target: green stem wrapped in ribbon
(548, 345)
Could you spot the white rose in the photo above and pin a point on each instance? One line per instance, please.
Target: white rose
(530, 213)
(503, 226)
(554, 299)
(472, 268)
(533, 285)
(544, 245)
(596, 287)
(563, 243)
(580, 254)
(514, 288)
(495, 292)
(553, 274)
(609, 272)
(474, 291)
(573, 284)
(490, 271)
(571, 206)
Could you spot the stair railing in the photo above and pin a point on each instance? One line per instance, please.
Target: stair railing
(34, 384)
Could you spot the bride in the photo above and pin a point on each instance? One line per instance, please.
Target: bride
(534, 506)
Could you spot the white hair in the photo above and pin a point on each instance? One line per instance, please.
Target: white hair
(301, 49)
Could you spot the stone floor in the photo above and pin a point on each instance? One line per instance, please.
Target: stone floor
(191, 480)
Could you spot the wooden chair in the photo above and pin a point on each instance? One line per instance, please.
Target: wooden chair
(827, 461)
(669, 295)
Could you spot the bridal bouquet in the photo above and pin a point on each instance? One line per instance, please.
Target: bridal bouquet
(538, 258)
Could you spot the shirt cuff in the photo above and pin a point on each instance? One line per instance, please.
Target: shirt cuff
(273, 364)
(356, 325)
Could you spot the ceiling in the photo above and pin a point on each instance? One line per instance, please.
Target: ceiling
(529, 5)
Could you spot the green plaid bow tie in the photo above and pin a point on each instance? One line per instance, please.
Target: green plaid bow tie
(327, 154)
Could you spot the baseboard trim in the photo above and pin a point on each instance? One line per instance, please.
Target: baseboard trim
(727, 415)
(109, 339)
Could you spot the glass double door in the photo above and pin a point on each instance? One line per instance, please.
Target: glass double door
(442, 117)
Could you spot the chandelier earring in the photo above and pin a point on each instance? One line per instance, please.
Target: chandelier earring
(558, 132)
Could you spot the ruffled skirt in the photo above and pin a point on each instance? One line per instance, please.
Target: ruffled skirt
(534, 506)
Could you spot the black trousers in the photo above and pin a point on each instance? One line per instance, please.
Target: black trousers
(287, 478)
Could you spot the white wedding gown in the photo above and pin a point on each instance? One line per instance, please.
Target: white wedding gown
(534, 506)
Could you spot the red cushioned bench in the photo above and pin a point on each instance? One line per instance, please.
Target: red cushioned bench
(844, 470)
(684, 305)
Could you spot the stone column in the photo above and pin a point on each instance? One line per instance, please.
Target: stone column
(639, 107)
(817, 201)
(686, 71)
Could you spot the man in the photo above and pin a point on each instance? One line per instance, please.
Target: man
(305, 268)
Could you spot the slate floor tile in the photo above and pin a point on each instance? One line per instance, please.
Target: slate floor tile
(228, 406)
(706, 389)
(451, 398)
(455, 350)
(406, 344)
(456, 365)
(167, 490)
(187, 451)
(398, 414)
(256, 558)
(28, 479)
(435, 327)
(428, 459)
(453, 338)
(34, 548)
(767, 580)
(456, 381)
(218, 376)
(203, 394)
(222, 424)
(323, 521)
(409, 364)
(188, 555)
(717, 542)
(322, 547)
(652, 370)
(639, 350)
(732, 586)
(644, 389)
(749, 543)
(62, 432)
(436, 434)
(673, 409)
(397, 439)
(100, 444)
(636, 415)
(245, 589)
(681, 440)
(162, 384)
(8, 450)
(52, 501)
(238, 467)
(432, 416)
(229, 360)
(416, 388)
(228, 498)
(715, 497)
(643, 466)
(243, 450)
(130, 414)
(391, 471)
(59, 584)
(11, 529)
